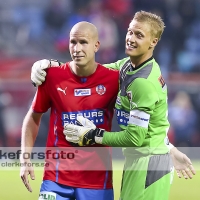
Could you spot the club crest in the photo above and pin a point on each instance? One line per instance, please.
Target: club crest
(100, 89)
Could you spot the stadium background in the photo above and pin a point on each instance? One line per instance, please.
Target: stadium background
(34, 29)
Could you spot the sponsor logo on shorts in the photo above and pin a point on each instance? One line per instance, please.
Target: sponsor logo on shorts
(47, 196)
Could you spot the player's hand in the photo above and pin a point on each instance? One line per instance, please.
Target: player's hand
(84, 133)
(38, 72)
(182, 164)
(27, 169)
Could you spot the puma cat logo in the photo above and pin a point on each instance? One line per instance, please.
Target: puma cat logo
(64, 91)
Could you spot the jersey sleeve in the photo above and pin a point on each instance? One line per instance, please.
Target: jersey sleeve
(116, 65)
(142, 105)
(41, 102)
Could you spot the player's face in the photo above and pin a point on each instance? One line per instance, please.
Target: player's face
(83, 47)
(139, 41)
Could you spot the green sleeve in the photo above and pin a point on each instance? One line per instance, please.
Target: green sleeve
(116, 65)
(133, 136)
(145, 97)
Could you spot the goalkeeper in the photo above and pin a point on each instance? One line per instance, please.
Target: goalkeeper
(141, 109)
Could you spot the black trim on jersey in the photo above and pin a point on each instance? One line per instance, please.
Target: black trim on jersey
(142, 73)
(143, 63)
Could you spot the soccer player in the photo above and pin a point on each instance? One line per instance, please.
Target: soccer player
(148, 169)
(79, 87)
(142, 100)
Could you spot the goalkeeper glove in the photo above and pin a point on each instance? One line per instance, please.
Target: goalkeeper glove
(38, 70)
(84, 133)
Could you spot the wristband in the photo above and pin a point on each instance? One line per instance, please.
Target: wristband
(99, 135)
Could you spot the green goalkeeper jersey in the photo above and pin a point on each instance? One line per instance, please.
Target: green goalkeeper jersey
(141, 109)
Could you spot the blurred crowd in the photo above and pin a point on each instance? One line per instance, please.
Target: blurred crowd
(40, 29)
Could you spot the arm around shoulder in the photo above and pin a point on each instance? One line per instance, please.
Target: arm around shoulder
(117, 65)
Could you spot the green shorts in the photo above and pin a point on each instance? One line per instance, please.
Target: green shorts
(147, 178)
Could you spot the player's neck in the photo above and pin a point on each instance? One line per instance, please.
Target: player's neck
(85, 70)
(136, 61)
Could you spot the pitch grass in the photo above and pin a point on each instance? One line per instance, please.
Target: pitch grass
(11, 186)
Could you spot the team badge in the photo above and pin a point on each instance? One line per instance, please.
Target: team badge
(100, 89)
(132, 104)
(129, 95)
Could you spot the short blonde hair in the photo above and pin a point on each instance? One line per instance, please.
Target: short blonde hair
(156, 23)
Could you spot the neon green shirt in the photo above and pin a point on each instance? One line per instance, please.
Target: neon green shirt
(141, 109)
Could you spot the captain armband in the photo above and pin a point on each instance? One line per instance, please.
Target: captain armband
(139, 118)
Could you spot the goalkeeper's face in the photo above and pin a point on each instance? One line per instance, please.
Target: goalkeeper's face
(83, 45)
(139, 41)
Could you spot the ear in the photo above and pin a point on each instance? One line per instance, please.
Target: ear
(97, 46)
(154, 42)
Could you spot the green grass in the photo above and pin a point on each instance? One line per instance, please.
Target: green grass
(11, 186)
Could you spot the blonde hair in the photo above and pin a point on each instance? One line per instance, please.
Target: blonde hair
(156, 23)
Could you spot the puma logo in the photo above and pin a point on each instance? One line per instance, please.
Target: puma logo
(64, 91)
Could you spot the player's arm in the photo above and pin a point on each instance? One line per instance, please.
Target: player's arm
(116, 65)
(135, 132)
(29, 133)
(144, 98)
(38, 72)
(87, 134)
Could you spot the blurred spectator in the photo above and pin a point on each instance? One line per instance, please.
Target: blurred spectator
(3, 137)
(55, 17)
(188, 59)
(5, 100)
(118, 7)
(183, 119)
(29, 23)
(107, 29)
